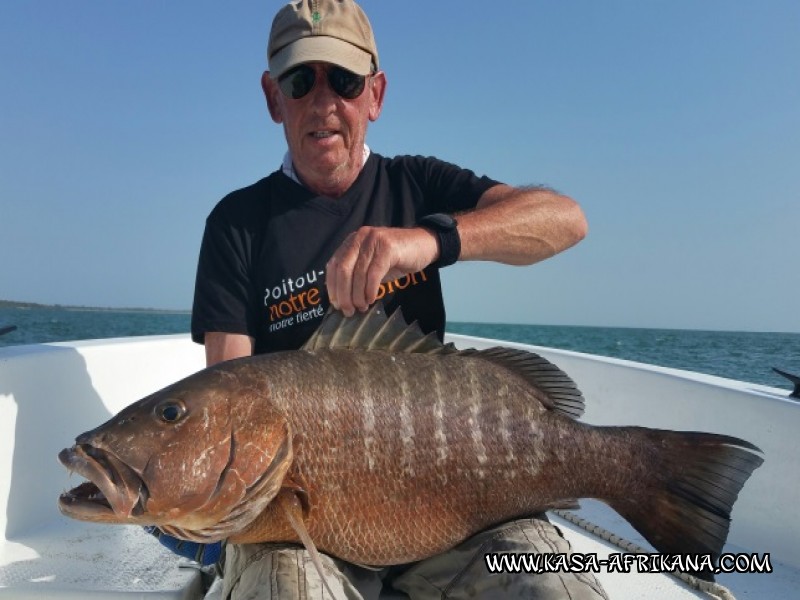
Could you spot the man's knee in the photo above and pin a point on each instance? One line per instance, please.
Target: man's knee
(463, 572)
(280, 571)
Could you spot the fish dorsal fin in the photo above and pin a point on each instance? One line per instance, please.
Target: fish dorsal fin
(559, 392)
(373, 330)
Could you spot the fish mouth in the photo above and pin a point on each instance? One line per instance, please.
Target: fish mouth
(114, 493)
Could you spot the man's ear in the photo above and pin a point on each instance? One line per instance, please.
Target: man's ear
(377, 90)
(271, 92)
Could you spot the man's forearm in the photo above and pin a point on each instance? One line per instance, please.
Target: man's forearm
(520, 226)
(226, 346)
(516, 226)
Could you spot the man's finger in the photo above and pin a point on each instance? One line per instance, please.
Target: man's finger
(361, 269)
(338, 275)
(378, 273)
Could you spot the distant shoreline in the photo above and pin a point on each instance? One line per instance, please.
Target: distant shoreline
(466, 327)
(24, 305)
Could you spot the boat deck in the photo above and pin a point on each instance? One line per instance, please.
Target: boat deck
(70, 560)
(782, 584)
(52, 392)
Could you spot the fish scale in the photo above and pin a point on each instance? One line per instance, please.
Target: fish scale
(379, 445)
(437, 490)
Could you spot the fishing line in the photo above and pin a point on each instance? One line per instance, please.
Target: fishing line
(709, 587)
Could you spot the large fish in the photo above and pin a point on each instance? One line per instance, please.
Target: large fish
(381, 446)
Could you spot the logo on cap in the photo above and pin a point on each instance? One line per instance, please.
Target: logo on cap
(345, 39)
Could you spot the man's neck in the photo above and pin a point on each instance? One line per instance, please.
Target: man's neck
(287, 167)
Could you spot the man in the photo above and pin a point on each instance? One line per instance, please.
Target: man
(339, 225)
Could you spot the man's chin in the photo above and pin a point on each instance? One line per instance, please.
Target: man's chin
(330, 173)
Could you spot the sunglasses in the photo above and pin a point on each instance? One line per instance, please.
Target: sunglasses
(299, 81)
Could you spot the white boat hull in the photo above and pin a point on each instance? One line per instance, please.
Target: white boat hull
(49, 393)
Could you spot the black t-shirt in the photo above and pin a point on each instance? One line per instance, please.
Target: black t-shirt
(262, 262)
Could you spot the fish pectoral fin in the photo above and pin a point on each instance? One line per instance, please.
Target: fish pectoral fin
(289, 500)
(290, 485)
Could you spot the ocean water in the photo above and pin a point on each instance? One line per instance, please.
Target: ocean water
(39, 325)
(746, 356)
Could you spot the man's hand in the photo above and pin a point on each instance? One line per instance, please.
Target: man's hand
(371, 256)
(514, 226)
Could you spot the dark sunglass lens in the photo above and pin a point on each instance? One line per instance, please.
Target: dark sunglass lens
(297, 82)
(345, 83)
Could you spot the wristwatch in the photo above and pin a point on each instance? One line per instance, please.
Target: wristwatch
(444, 228)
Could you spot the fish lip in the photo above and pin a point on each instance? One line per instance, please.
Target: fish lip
(113, 493)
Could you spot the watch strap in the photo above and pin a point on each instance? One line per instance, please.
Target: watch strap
(444, 227)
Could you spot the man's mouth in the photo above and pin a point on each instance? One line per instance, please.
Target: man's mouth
(322, 134)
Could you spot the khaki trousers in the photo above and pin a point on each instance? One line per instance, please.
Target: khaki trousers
(272, 571)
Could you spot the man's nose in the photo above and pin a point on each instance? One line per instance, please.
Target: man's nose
(323, 96)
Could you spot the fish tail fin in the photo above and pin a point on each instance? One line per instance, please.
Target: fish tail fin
(686, 505)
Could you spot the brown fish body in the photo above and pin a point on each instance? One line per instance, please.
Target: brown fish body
(394, 454)
(416, 460)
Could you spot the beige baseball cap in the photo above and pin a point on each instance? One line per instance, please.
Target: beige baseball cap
(332, 31)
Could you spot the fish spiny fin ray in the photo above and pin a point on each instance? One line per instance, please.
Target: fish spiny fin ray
(560, 392)
(373, 330)
(292, 507)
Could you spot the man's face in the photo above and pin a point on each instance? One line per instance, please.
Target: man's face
(326, 132)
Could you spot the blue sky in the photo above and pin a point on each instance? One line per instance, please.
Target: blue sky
(675, 124)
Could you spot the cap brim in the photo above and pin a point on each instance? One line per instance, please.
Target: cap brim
(320, 49)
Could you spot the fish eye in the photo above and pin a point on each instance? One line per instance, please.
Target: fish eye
(170, 411)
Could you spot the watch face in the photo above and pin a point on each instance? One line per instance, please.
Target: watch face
(440, 221)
